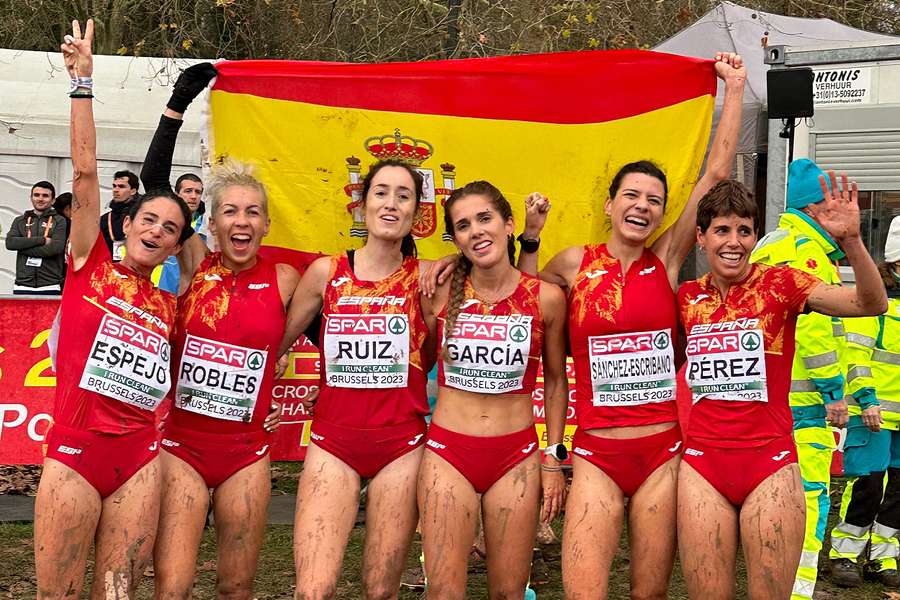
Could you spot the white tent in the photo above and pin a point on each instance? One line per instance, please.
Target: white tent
(130, 94)
(733, 28)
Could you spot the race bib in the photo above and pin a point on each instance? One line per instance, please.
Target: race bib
(488, 354)
(34, 261)
(127, 363)
(727, 365)
(118, 251)
(630, 369)
(219, 380)
(366, 351)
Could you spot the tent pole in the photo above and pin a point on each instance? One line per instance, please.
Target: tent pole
(791, 141)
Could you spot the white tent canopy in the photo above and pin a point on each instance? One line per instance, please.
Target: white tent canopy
(733, 28)
(130, 94)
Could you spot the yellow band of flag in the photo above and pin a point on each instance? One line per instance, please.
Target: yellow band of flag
(312, 155)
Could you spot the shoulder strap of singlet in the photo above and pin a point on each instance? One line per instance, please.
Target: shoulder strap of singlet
(591, 252)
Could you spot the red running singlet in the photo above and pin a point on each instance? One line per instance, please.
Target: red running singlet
(371, 348)
(113, 368)
(229, 328)
(621, 332)
(739, 355)
(493, 349)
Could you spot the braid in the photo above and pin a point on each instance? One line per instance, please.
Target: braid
(457, 291)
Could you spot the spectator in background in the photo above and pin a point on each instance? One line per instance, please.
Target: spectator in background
(39, 239)
(63, 206)
(124, 191)
(189, 187)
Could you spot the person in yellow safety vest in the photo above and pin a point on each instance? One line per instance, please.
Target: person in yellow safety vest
(870, 507)
(817, 372)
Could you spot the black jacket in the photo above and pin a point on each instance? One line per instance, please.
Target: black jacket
(26, 237)
(111, 221)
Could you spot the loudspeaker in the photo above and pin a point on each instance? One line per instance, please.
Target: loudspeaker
(790, 93)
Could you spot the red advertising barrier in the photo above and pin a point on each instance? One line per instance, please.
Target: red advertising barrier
(27, 381)
(27, 386)
(538, 398)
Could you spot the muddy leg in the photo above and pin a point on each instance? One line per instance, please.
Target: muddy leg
(772, 528)
(391, 516)
(126, 533)
(327, 501)
(707, 537)
(66, 513)
(595, 511)
(511, 510)
(449, 511)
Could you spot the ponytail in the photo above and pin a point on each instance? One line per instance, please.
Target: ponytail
(408, 246)
(511, 249)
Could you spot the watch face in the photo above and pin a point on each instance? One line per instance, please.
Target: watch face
(558, 451)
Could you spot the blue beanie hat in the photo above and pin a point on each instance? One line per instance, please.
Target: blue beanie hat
(803, 187)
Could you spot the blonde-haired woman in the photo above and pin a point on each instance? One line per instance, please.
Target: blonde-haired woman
(231, 317)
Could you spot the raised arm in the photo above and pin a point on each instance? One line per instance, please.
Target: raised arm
(191, 254)
(537, 207)
(306, 302)
(157, 168)
(562, 268)
(76, 49)
(838, 214)
(674, 245)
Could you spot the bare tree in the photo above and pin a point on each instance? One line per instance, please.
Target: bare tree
(386, 30)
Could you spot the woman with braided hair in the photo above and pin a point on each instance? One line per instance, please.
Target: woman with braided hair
(495, 325)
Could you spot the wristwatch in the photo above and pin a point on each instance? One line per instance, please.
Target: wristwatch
(528, 246)
(557, 451)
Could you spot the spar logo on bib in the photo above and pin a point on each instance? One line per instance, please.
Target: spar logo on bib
(223, 354)
(488, 353)
(630, 369)
(219, 380)
(489, 328)
(367, 351)
(127, 362)
(726, 361)
(630, 342)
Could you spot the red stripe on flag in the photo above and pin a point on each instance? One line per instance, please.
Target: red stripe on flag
(298, 259)
(562, 87)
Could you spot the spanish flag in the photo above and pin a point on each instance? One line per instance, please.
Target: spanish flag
(560, 123)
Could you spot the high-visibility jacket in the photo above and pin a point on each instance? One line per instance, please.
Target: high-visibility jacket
(860, 335)
(817, 373)
(886, 364)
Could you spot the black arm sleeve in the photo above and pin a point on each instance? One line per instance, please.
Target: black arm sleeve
(312, 332)
(157, 168)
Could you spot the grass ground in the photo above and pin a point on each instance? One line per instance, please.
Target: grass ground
(275, 576)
